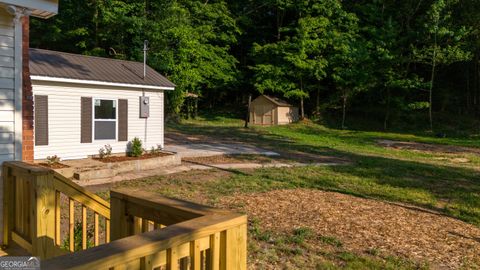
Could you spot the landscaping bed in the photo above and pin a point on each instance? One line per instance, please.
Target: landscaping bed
(107, 169)
(111, 159)
(53, 165)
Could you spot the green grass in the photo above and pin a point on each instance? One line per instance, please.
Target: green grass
(425, 179)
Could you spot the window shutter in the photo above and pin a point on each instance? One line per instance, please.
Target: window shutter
(122, 120)
(86, 120)
(41, 120)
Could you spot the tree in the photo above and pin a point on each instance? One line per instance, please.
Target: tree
(443, 43)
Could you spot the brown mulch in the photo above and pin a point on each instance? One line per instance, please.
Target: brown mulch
(426, 147)
(126, 158)
(363, 224)
(54, 165)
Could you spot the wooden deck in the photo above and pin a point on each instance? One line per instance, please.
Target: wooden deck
(141, 230)
(14, 250)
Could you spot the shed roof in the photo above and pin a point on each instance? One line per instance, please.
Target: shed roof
(55, 64)
(277, 101)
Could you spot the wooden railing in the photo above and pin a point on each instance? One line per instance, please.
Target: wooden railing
(33, 200)
(153, 232)
(148, 231)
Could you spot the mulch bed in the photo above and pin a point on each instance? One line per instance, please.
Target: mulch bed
(363, 224)
(54, 165)
(127, 158)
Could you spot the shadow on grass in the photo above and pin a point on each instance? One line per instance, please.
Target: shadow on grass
(213, 166)
(450, 190)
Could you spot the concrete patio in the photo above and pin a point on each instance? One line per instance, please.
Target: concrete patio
(212, 149)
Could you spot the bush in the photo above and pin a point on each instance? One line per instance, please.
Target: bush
(156, 150)
(53, 160)
(105, 151)
(136, 148)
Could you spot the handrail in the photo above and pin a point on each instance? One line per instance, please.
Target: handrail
(127, 249)
(81, 195)
(151, 231)
(147, 230)
(32, 209)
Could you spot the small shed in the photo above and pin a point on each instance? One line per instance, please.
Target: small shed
(267, 110)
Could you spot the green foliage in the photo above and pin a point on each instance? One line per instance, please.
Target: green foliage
(135, 148)
(78, 233)
(339, 56)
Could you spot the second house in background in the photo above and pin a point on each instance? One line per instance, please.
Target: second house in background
(82, 103)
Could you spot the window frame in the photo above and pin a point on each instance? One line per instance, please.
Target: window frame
(104, 120)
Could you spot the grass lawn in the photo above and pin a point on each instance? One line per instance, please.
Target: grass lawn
(433, 180)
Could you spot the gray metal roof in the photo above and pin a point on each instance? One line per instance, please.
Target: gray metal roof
(278, 101)
(82, 67)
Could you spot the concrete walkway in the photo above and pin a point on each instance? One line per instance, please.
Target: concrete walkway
(191, 166)
(213, 149)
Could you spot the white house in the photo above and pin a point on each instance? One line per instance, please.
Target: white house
(81, 103)
(14, 27)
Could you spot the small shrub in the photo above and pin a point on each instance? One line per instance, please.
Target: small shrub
(156, 150)
(136, 148)
(108, 150)
(51, 160)
(101, 152)
(105, 151)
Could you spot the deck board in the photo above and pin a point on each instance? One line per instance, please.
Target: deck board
(14, 250)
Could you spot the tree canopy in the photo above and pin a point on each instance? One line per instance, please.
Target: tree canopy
(384, 59)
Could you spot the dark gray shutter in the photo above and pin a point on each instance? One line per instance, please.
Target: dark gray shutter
(86, 118)
(122, 120)
(41, 120)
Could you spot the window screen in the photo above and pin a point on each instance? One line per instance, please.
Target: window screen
(105, 123)
(105, 130)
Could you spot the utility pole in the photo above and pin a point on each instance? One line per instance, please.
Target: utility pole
(145, 49)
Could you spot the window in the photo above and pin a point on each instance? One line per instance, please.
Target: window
(105, 119)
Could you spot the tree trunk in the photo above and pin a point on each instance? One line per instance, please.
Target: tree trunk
(387, 112)
(432, 79)
(344, 109)
(302, 110)
(317, 108)
(196, 108)
(247, 119)
(476, 81)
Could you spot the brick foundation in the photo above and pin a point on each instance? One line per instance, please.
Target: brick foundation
(27, 96)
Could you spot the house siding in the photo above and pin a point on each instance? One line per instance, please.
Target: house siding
(7, 86)
(64, 115)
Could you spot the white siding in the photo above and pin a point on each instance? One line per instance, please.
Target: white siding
(7, 84)
(64, 119)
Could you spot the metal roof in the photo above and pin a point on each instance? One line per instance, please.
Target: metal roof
(55, 64)
(278, 101)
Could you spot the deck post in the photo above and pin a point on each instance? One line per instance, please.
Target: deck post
(120, 223)
(7, 205)
(43, 215)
